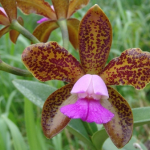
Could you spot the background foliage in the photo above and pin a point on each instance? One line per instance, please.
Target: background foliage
(20, 127)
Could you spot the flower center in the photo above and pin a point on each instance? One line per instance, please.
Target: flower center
(90, 87)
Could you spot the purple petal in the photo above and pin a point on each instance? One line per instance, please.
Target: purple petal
(97, 113)
(99, 87)
(43, 20)
(76, 110)
(82, 84)
(88, 110)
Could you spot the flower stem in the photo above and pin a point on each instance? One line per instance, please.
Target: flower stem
(88, 128)
(64, 30)
(13, 70)
(16, 26)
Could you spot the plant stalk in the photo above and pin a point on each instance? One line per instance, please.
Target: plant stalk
(13, 70)
(15, 25)
(64, 30)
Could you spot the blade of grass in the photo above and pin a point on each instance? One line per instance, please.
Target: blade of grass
(30, 126)
(18, 141)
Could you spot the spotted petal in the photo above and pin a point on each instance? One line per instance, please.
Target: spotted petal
(49, 61)
(36, 6)
(131, 68)
(74, 5)
(73, 27)
(95, 37)
(61, 8)
(120, 127)
(10, 8)
(53, 121)
(43, 31)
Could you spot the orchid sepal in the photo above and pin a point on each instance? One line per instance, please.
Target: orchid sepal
(53, 121)
(131, 68)
(36, 6)
(48, 61)
(43, 30)
(120, 128)
(95, 38)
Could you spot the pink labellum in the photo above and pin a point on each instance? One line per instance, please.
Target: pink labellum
(88, 110)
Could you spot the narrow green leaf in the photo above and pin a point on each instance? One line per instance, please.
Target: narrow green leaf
(57, 142)
(3, 135)
(11, 96)
(76, 127)
(99, 138)
(31, 126)
(34, 91)
(141, 115)
(18, 141)
(93, 127)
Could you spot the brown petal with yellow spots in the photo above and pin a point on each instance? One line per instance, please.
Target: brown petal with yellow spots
(131, 68)
(10, 8)
(36, 6)
(53, 121)
(61, 8)
(73, 28)
(120, 127)
(95, 38)
(48, 61)
(74, 5)
(43, 30)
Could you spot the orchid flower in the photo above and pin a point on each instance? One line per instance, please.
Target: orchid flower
(88, 94)
(6, 18)
(61, 10)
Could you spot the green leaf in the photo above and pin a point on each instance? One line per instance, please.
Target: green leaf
(3, 135)
(141, 117)
(33, 140)
(76, 127)
(108, 145)
(34, 91)
(99, 138)
(93, 127)
(18, 141)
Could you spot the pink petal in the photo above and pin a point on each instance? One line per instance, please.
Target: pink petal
(82, 84)
(88, 110)
(76, 110)
(99, 86)
(97, 113)
(42, 20)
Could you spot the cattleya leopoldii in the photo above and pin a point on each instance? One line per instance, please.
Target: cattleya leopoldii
(63, 9)
(7, 17)
(88, 94)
